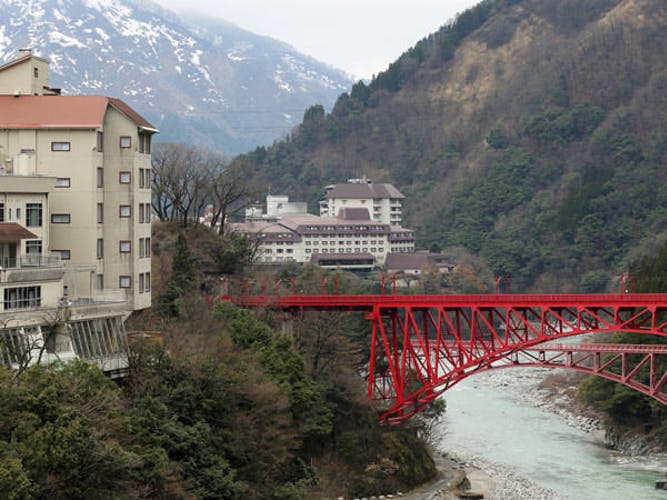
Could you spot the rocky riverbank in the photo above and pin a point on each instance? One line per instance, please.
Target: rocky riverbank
(465, 477)
(543, 389)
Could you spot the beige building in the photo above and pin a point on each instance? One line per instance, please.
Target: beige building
(351, 240)
(383, 201)
(75, 200)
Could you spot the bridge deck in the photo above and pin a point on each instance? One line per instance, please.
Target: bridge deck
(367, 302)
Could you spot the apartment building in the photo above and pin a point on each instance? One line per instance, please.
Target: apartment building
(383, 201)
(75, 240)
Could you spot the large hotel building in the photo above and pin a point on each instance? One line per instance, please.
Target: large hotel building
(75, 212)
(358, 227)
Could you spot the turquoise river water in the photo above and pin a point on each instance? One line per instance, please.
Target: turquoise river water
(492, 420)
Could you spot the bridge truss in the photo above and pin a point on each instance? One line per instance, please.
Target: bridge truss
(421, 345)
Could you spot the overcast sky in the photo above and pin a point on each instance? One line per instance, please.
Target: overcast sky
(361, 37)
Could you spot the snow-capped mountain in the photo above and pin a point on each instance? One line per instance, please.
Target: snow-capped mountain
(201, 81)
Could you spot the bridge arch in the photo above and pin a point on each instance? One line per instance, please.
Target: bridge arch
(421, 345)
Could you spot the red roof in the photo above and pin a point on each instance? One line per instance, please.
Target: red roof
(11, 231)
(87, 112)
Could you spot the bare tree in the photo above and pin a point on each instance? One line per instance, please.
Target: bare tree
(178, 182)
(229, 190)
(25, 346)
(187, 179)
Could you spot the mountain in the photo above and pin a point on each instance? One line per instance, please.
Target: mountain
(530, 133)
(201, 81)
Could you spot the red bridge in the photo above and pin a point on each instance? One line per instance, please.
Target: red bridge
(421, 345)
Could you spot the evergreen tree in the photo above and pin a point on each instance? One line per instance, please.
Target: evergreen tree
(181, 282)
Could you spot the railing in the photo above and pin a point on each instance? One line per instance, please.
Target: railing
(37, 260)
(40, 260)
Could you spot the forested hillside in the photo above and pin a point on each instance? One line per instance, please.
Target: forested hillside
(220, 404)
(530, 132)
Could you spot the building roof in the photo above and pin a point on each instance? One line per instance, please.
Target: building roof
(11, 231)
(363, 190)
(417, 260)
(405, 261)
(20, 59)
(349, 213)
(342, 257)
(54, 111)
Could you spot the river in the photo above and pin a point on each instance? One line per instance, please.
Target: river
(492, 422)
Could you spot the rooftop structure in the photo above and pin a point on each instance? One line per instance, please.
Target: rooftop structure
(383, 201)
(277, 206)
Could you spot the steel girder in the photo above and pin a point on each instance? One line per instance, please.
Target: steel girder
(421, 345)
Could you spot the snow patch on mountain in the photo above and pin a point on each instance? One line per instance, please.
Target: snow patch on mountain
(199, 79)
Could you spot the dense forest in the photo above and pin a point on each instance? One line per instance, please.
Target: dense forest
(530, 133)
(629, 411)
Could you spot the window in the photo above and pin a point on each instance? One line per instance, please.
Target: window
(141, 282)
(124, 177)
(33, 247)
(60, 146)
(147, 242)
(33, 215)
(60, 218)
(125, 281)
(35, 72)
(125, 211)
(142, 184)
(64, 254)
(141, 212)
(18, 213)
(147, 283)
(144, 143)
(100, 248)
(141, 248)
(2, 212)
(63, 182)
(100, 213)
(100, 142)
(125, 246)
(100, 177)
(100, 282)
(147, 216)
(24, 297)
(125, 141)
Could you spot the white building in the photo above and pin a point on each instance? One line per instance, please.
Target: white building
(351, 240)
(74, 218)
(277, 206)
(383, 201)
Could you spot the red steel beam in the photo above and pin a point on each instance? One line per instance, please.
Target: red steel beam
(423, 344)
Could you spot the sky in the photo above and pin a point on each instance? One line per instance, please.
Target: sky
(360, 37)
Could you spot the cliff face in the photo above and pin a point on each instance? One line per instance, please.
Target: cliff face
(530, 132)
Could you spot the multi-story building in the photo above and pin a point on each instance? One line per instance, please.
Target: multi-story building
(75, 210)
(350, 240)
(383, 201)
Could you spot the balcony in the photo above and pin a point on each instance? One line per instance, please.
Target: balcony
(35, 267)
(35, 260)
